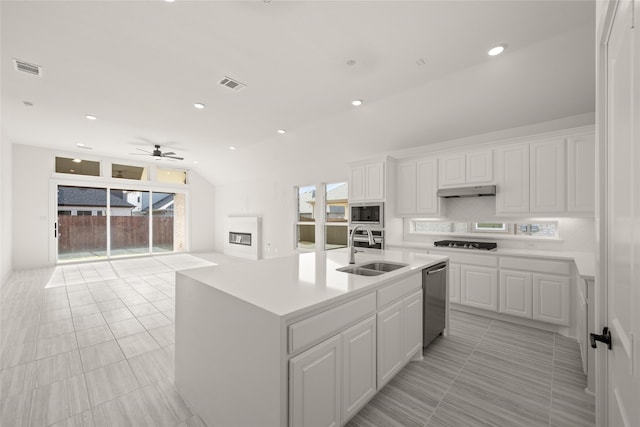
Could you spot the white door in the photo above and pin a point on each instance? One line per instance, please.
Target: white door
(390, 337)
(359, 366)
(314, 397)
(623, 222)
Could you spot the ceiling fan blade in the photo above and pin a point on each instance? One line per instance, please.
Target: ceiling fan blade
(173, 157)
(148, 152)
(169, 153)
(140, 154)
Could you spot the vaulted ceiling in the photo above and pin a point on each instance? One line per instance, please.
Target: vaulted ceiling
(420, 67)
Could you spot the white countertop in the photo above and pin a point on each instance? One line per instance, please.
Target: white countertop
(585, 261)
(290, 285)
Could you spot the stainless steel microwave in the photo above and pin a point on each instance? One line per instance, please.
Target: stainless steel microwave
(367, 213)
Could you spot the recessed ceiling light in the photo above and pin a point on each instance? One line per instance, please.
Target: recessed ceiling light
(356, 102)
(81, 145)
(282, 131)
(76, 161)
(232, 148)
(169, 1)
(497, 50)
(90, 117)
(195, 162)
(199, 105)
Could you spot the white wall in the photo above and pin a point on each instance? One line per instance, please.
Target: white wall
(6, 223)
(33, 214)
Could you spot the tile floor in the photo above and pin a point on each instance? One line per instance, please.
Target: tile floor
(93, 345)
(487, 373)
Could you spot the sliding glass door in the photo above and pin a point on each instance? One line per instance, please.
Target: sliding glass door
(129, 223)
(98, 223)
(81, 229)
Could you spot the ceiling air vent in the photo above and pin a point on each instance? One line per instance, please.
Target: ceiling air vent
(28, 68)
(232, 84)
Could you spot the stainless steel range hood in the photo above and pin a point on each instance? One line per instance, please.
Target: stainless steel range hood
(482, 190)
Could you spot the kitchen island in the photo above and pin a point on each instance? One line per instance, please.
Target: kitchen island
(292, 340)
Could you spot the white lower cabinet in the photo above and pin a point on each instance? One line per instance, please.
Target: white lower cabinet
(454, 283)
(359, 366)
(551, 298)
(516, 293)
(399, 335)
(390, 348)
(479, 287)
(330, 382)
(412, 307)
(315, 383)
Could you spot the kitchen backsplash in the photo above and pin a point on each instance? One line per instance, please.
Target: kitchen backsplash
(575, 234)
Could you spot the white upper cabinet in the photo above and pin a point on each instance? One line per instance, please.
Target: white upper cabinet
(466, 168)
(406, 187)
(581, 166)
(548, 168)
(479, 167)
(367, 182)
(452, 170)
(551, 176)
(417, 186)
(427, 185)
(513, 179)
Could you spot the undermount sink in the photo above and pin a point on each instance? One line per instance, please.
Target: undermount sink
(372, 269)
(383, 266)
(360, 271)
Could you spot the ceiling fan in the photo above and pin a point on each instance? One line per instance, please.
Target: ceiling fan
(158, 154)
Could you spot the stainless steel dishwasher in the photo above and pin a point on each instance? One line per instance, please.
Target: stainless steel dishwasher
(434, 285)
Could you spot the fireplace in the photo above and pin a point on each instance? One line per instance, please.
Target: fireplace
(244, 238)
(236, 238)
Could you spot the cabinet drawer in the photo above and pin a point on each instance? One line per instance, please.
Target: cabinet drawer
(467, 258)
(536, 265)
(401, 288)
(327, 323)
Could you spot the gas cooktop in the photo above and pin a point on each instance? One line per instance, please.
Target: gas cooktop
(461, 244)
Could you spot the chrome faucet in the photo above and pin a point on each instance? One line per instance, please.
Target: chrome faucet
(352, 249)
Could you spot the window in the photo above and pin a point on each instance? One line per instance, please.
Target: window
(305, 218)
(84, 213)
(549, 229)
(539, 229)
(129, 172)
(77, 166)
(336, 219)
(490, 227)
(171, 176)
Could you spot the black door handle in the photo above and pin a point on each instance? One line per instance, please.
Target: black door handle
(605, 338)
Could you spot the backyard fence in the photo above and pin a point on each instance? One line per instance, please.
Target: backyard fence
(89, 233)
